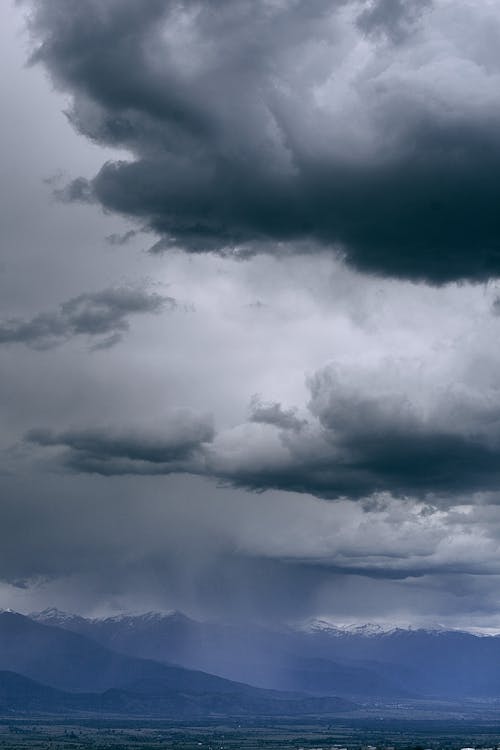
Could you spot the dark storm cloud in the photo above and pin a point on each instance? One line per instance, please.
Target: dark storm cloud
(98, 451)
(400, 569)
(168, 542)
(251, 122)
(100, 314)
(364, 437)
(358, 465)
(370, 436)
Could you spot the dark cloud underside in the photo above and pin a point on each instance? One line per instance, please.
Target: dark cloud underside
(176, 448)
(334, 122)
(362, 438)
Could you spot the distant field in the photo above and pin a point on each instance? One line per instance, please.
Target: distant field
(356, 735)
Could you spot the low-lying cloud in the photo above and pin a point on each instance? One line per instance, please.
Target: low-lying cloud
(103, 317)
(177, 448)
(367, 432)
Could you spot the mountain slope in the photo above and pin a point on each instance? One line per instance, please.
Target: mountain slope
(271, 659)
(360, 662)
(56, 661)
(20, 695)
(70, 661)
(442, 663)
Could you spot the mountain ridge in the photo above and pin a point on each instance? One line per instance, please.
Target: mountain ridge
(20, 695)
(356, 662)
(313, 625)
(58, 670)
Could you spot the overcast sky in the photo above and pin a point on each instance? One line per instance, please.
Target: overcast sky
(249, 309)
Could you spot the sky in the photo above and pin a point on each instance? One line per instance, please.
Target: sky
(250, 309)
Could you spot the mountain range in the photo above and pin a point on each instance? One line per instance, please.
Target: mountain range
(357, 663)
(49, 669)
(173, 666)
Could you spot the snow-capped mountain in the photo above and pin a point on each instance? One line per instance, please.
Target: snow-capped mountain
(49, 669)
(372, 629)
(369, 629)
(368, 661)
(56, 617)
(59, 618)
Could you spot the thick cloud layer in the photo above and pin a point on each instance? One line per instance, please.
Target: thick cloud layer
(161, 542)
(302, 130)
(101, 316)
(368, 127)
(390, 429)
(399, 426)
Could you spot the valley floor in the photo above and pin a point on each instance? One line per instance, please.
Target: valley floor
(367, 734)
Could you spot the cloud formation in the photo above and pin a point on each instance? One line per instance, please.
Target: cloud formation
(369, 127)
(395, 19)
(274, 414)
(106, 544)
(101, 316)
(177, 448)
(389, 428)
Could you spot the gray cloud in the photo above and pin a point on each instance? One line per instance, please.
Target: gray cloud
(395, 18)
(274, 414)
(286, 128)
(117, 240)
(98, 314)
(373, 431)
(178, 448)
(368, 433)
(255, 124)
(102, 544)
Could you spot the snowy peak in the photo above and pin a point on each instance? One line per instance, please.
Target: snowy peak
(367, 629)
(370, 629)
(56, 617)
(146, 617)
(178, 620)
(53, 612)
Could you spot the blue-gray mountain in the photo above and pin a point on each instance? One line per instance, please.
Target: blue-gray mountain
(356, 663)
(46, 669)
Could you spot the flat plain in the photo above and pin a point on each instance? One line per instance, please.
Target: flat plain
(44, 734)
